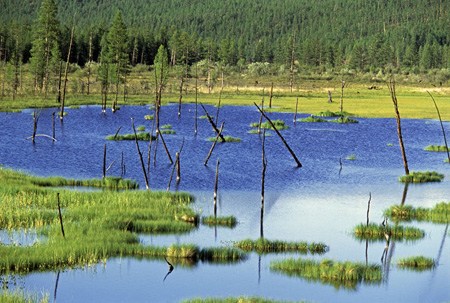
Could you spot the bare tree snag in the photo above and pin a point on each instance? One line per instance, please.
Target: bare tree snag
(296, 109)
(442, 126)
(330, 99)
(165, 146)
(342, 97)
(196, 99)
(263, 178)
(53, 125)
(218, 107)
(214, 144)
(216, 185)
(368, 209)
(399, 127)
(180, 97)
(104, 162)
(279, 135)
(122, 167)
(60, 216)
(35, 122)
(140, 155)
(271, 96)
(66, 70)
(214, 126)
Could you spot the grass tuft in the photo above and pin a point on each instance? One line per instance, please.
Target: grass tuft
(149, 117)
(233, 300)
(440, 213)
(279, 125)
(379, 232)
(16, 296)
(436, 148)
(417, 263)
(422, 177)
(267, 246)
(227, 139)
(228, 221)
(339, 274)
(140, 136)
(344, 120)
(312, 119)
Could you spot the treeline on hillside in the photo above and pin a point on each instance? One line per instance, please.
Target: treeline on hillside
(364, 35)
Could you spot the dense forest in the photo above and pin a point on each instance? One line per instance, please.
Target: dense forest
(364, 35)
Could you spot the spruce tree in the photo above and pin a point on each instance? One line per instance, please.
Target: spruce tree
(44, 45)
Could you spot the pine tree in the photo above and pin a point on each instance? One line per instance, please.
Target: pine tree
(45, 43)
(117, 54)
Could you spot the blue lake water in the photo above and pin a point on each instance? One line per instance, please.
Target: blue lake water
(322, 201)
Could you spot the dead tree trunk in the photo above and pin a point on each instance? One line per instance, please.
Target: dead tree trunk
(214, 126)
(263, 180)
(214, 144)
(104, 162)
(368, 209)
(61, 116)
(60, 216)
(271, 96)
(53, 126)
(330, 99)
(342, 97)
(196, 99)
(216, 185)
(165, 146)
(218, 107)
(89, 65)
(35, 122)
(180, 97)
(279, 135)
(399, 127)
(442, 126)
(58, 98)
(140, 155)
(296, 109)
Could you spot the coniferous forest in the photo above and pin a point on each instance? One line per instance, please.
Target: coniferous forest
(361, 35)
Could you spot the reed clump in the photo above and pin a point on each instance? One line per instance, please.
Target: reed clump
(141, 136)
(339, 274)
(140, 128)
(149, 117)
(225, 221)
(422, 177)
(379, 232)
(416, 263)
(312, 119)
(439, 213)
(329, 113)
(344, 120)
(279, 125)
(436, 148)
(227, 139)
(16, 296)
(262, 246)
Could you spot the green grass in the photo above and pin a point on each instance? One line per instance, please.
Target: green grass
(267, 246)
(440, 213)
(416, 263)
(168, 132)
(227, 139)
(279, 125)
(344, 120)
(377, 232)
(7, 296)
(312, 119)
(233, 300)
(351, 157)
(422, 177)
(228, 221)
(149, 117)
(436, 148)
(339, 274)
(126, 137)
(328, 113)
(98, 225)
(140, 128)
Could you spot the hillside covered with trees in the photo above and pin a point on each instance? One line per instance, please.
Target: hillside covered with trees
(364, 34)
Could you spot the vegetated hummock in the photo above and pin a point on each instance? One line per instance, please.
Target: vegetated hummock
(312, 119)
(228, 139)
(329, 113)
(142, 136)
(351, 157)
(440, 213)
(344, 120)
(436, 148)
(97, 225)
(262, 246)
(7, 296)
(417, 263)
(226, 221)
(279, 124)
(378, 232)
(422, 177)
(338, 274)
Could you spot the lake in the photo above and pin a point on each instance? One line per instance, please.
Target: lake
(321, 201)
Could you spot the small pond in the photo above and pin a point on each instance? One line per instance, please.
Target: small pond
(322, 201)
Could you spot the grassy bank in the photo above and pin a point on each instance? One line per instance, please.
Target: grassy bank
(361, 98)
(262, 246)
(379, 232)
(97, 225)
(440, 213)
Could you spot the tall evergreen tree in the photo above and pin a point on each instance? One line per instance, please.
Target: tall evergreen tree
(117, 54)
(45, 46)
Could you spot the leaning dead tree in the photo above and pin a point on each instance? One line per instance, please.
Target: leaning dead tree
(214, 144)
(61, 115)
(279, 135)
(36, 116)
(442, 126)
(213, 124)
(399, 127)
(263, 180)
(140, 155)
